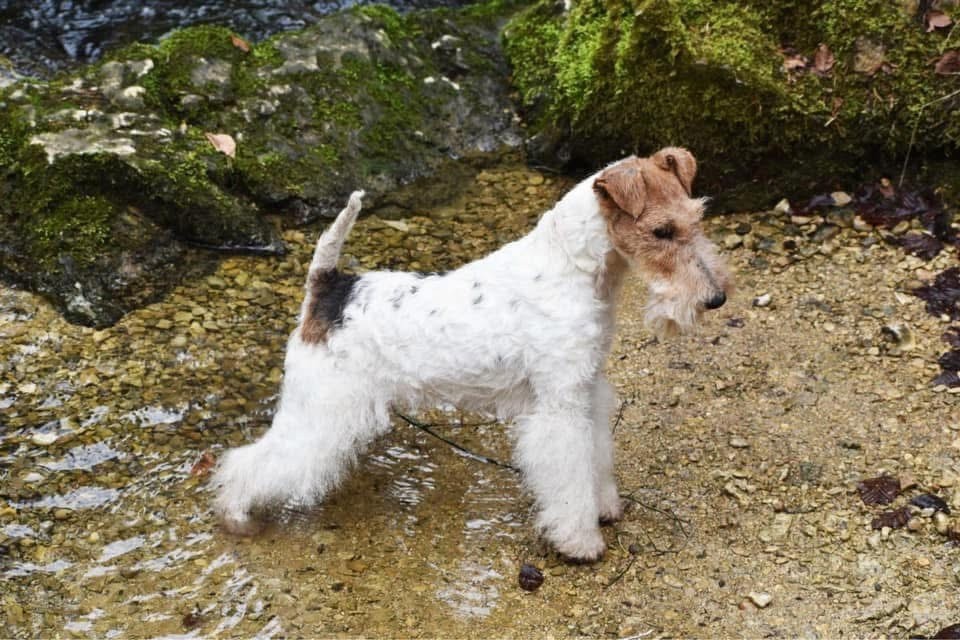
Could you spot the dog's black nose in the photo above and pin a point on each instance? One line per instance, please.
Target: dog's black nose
(716, 301)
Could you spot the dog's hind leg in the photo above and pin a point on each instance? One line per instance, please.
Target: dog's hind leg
(321, 424)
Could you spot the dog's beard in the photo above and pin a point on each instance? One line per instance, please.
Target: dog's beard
(667, 318)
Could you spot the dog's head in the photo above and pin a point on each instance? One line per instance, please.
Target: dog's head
(653, 221)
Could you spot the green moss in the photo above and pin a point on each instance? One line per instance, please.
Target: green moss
(79, 227)
(637, 74)
(396, 26)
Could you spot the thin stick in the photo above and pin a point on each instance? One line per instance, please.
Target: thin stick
(616, 423)
(677, 520)
(470, 454)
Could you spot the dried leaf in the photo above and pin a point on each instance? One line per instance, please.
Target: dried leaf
(879, 490)
(922, 245)
(950, 361)
(893, 519)
(930, 501)
(530, 577)
(943, 295)
(240, 43)
(823, 60)
(948, 64)
(947, 379)
(203, 466)
(952, 337)
(948, 633)
(224, 143)
(937, 20)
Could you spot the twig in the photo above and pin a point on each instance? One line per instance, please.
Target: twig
(622, 573)
(616, 423)
(677, 520)
(470, 454)
(916, 125)
(943, 45)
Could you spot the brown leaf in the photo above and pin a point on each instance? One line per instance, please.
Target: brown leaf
(240, 43)
(948, 633)
(937, 20)
(224, 143)
(893, 519)
(823, 60)
(949, 63)
(880, 490)
(203, 466)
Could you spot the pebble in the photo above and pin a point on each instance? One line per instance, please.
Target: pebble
(44, 439)
(732, 241)
(942, 522)
(763, 300)
(760, 598)
(841, 198)
(739, 443)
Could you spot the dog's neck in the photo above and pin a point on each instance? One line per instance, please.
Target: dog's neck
(577, 229)
(610, 277)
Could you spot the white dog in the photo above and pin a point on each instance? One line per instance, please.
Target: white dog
(523, 332)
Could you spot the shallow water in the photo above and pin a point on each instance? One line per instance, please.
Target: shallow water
(105, 525)
(50, 35)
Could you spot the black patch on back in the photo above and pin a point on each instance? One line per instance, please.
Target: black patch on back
(331, 291)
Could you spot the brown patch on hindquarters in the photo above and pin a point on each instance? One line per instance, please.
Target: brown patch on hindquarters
(328, 292)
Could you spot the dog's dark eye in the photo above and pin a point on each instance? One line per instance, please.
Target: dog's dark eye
(665, 232)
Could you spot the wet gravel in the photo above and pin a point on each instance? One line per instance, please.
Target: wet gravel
(740, 452)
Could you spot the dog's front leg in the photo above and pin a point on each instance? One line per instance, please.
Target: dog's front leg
(555, 453)
(608, 497)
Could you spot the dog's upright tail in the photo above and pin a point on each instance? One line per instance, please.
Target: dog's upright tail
(327, 288)
(330, 244)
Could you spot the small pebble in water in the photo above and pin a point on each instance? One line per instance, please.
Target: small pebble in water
(530, 577)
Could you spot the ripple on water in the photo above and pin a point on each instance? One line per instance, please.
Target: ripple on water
(151, 416)
(120, 547)
(82, 498)
(84, 457)
(20, 569)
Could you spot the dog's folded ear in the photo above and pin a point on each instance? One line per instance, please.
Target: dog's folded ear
(680, 162)
(622, 186)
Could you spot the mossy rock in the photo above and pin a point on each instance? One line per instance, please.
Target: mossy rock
(612, 77)
(98, 167)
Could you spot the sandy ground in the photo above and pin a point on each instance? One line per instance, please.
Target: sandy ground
(739, 452)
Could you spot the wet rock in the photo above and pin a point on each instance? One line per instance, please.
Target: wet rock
(99, 204)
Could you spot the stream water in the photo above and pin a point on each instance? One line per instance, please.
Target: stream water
(49, 35)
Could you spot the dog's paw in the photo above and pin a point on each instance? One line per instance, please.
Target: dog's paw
(611, 512)
(245, 526)
(582, 547)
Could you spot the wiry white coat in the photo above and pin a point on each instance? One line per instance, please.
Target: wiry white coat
(522, 332)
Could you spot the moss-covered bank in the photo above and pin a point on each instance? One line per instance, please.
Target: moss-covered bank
(113, 168)
(741, 84)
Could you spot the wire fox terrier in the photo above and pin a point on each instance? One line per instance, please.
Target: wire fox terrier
(523, 332)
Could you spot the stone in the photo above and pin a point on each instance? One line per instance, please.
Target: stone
(760, 598)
